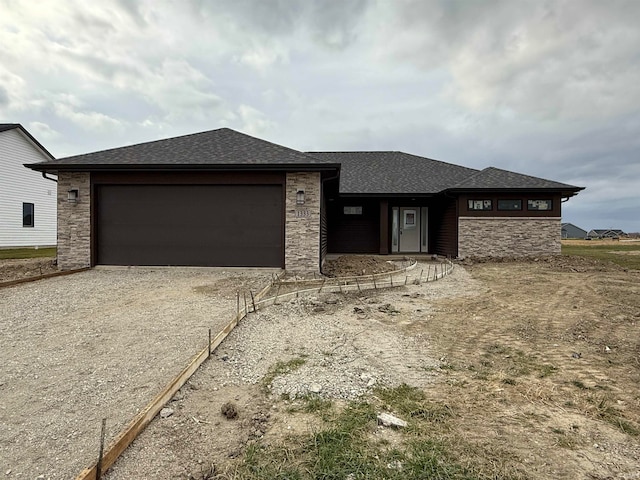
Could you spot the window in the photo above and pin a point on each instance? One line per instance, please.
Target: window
(539, 205)
(510, 204)
(27, 215)
(352, 210)
(484, 204)
(409, 219)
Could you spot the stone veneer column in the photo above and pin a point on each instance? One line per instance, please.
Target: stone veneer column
(508, 236)
(74, 221)
(302, 223)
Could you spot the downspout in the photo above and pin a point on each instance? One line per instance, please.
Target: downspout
(44, 175)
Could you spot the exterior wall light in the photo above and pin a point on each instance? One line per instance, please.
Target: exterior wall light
(72, 195)
(300, 197)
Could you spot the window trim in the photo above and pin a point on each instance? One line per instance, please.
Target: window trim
(26, 215)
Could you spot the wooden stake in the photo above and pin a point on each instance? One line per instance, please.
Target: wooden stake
(277, 292)
(253, 301)
(428, 273)
(391, 279)
(246, 310)
(103, 432)
(358, 283)
(209, 344)
(374, 282)
(406, 279)
(420, 281)
(238, 305)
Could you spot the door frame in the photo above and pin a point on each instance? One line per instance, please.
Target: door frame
(422, 220)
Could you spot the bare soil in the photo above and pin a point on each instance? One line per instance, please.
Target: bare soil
(353, 265)
(539, 363)
(16, 269)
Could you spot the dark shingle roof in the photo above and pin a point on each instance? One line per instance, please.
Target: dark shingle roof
(361, 173)
(11, 126)
(221, 147)
(393, 173)
(8, 126)
(497, 179)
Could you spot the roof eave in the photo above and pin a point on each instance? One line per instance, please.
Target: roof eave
(569, 191)
(298, 167)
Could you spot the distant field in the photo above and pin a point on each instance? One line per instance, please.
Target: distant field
(27, 253)
(625, 253)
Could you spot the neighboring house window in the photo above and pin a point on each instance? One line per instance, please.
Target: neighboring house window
(539, 205)
(509, 204)
(27, 215)
(484, 204)
(352, 210)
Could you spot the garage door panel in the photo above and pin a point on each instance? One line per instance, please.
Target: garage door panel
(190, 225)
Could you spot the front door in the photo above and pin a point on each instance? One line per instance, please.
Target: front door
(410, 229)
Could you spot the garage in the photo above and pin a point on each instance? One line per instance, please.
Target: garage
(190, 225)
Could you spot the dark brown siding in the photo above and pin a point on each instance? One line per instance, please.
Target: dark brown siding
(354, 233)
(384, 227)
(444, 227)
(179, 224)
(465, 212)
(323, 231)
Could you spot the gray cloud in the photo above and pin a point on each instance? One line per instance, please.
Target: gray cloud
(550, 88)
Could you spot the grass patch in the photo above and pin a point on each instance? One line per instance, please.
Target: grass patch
(12, 253)
(607, 252)
(610, 414)
(349, 445)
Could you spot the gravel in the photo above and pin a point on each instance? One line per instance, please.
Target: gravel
(341, 353)
(96, 344)
(349, 343)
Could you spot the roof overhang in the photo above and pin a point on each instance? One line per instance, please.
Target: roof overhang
(564, 192)
(51, 167)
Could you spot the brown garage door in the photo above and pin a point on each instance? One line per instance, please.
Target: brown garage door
(198, 225)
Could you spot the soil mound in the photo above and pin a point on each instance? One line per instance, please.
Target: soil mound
(352, 265)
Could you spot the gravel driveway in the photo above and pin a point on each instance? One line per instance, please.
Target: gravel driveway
(96, 344)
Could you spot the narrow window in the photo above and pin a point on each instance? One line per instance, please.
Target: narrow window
(483, 204)
(27, 215)
(509, 204)
(352, 210)
(539, 204)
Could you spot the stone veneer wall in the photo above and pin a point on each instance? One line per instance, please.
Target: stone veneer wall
(508, 236)
(302, 223)
(74, 221)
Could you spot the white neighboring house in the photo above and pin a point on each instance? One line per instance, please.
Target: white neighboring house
(27, 200)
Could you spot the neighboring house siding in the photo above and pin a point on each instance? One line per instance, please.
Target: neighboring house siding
(571, 231)
(508, 236)
(74, 221)
(19, 185)
(302, 223)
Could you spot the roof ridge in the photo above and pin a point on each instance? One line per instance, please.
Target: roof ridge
(474, 175)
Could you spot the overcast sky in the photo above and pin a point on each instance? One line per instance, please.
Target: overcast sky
(546, 88)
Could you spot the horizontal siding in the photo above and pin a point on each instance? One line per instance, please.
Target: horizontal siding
(19, 185)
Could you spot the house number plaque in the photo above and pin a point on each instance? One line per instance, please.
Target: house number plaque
(303, 213)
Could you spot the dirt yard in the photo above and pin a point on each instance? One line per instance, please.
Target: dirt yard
(96, 344)
(536, 365)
